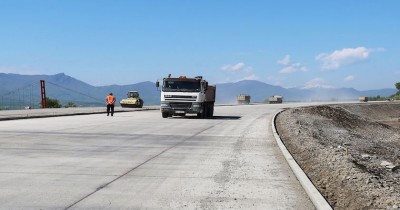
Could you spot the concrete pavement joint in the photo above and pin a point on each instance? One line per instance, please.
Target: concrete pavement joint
(134, 168)
(316, 197)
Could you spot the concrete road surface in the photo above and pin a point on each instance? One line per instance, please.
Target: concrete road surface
(138, 160)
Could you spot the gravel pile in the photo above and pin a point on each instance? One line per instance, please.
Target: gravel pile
(351, 152)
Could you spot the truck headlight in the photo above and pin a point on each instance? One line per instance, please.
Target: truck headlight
(164, 104)
(196, 105)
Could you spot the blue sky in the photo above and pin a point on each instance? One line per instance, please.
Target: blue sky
(288, 43)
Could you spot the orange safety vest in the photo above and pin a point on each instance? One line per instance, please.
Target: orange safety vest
(110, 99)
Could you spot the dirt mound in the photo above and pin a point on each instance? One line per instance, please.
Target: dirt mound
(351, 152)
(387, 113)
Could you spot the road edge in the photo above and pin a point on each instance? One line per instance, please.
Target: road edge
(316, 197)
(70, 112)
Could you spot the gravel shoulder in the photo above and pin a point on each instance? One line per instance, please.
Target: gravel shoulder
(351, 152)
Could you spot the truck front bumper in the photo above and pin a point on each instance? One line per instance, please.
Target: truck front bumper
(181, 107)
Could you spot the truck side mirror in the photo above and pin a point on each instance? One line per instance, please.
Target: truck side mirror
(157, 84)
(203, 85)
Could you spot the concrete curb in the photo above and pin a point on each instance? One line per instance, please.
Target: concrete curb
(318, 200)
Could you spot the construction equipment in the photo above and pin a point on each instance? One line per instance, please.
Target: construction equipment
(363, 99)
(132, 101)
(243, 99)
(183, 95)
(275, 99)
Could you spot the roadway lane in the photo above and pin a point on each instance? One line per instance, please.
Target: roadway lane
(138, 160)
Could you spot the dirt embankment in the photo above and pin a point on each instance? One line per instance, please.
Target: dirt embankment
(351, 152)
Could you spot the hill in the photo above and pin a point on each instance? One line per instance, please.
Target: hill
(66, 88)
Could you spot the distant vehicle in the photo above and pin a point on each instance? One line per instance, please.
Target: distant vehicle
(243, 99)
(363, 99)
(132, 101)
(183, 95)
(275, 99)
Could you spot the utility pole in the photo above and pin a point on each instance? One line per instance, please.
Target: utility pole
(43, 93)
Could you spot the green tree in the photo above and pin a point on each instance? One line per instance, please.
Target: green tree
(397, 95)
(397, 86)
(70, 104)
(52, 103)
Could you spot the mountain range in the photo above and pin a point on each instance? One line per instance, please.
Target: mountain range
(68, 89)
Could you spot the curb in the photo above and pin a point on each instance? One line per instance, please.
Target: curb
(318, 200)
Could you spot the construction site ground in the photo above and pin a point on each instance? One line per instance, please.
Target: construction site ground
(351, 152)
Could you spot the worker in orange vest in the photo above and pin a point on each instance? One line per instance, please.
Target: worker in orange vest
(110, 101)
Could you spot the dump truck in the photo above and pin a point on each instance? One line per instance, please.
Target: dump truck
(363, 99)
(243, 99)
(275, 99)
(132, 101)
(183, 95)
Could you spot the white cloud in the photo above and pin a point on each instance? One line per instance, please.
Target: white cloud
(239, 71)
(285, 61)
(293, 68)
(316, 83)
(346, 56)
(349, 78)
(248, 70)
(290, 67)
(249, 77)
(233, 67)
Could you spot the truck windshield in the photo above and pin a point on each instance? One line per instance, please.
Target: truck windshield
(181, 86)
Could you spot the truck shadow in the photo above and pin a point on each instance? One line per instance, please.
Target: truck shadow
(211, 118)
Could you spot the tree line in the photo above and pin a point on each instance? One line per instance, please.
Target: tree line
(54, 103)
(397, 95)
(393, 97)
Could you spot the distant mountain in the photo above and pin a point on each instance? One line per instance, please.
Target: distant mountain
(68, 89)
(381, 92)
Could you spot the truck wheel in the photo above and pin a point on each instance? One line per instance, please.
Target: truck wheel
(201, 115)
(211, 109)
(165, 114)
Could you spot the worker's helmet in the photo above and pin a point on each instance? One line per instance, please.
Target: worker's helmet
(111, 94)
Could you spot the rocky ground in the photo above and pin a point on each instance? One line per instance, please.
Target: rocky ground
(351, 152)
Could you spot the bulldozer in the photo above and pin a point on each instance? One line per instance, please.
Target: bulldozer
(132, 101)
